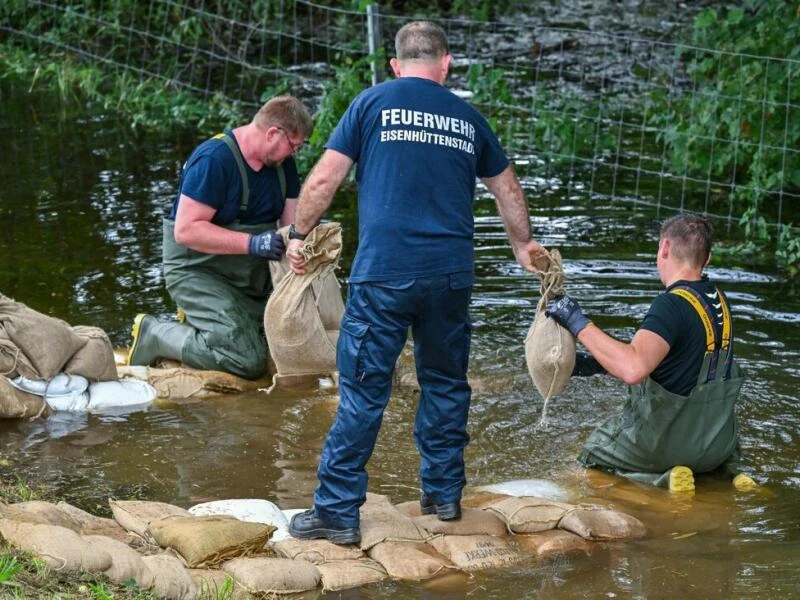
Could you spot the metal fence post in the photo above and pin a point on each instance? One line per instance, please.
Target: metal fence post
(374, 41)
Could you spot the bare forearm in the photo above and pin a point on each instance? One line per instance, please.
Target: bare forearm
(203, 236)
(631, 363)
(319, 189)
(512, 206)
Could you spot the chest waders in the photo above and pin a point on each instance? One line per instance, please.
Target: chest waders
(222, 296)
(657, 430)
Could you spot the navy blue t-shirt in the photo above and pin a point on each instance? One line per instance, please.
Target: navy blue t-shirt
(675, 320)
(211, 176)
(418, 149)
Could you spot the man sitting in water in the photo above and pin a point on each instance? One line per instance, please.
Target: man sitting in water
(684, 383)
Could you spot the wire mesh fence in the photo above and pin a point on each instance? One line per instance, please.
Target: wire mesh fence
(597, 113)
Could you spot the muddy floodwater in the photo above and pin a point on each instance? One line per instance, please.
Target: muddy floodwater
(80, 202)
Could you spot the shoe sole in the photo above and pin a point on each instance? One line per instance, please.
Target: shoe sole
(337, 537)
(135, 330)
(681, 479)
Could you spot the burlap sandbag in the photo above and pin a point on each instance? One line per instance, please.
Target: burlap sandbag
(16, 404)
(409, 561)
(529, 515)
(41, 512)
(302, 316)
(89, 524)
(136, 515)
(472, 522)
(184, 382)
(475, 552)
(61, 548)
(171, 580)
(126, 563)
(95, 360)
(208, 541)
(382, 522)
(273, 575)
(347, 574)
(602, 524)
(34, 345)
(549, 348)
(552, 543)
(216, 583)
(316, 551)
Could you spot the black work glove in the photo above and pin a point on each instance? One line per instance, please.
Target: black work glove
(268, 245)
(567, 313)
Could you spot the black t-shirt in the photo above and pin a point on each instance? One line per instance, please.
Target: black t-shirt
(675, 320)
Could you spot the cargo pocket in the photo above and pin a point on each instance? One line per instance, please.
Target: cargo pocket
(350, 348)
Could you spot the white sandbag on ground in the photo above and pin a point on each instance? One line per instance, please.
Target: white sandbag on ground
(74, 393)
(539, 488)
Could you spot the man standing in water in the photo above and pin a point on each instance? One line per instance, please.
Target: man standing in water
(418, 148)
(218, 238)
(680, 415)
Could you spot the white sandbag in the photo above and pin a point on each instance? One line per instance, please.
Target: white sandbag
(61, 384)
(105, 396)
(248, 509)
(540, 488)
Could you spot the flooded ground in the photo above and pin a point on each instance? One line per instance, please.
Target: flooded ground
(81, 199)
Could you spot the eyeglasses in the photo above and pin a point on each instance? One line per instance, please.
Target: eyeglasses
(295, 149)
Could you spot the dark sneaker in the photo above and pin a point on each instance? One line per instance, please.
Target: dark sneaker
(449, 511)
(310, 526)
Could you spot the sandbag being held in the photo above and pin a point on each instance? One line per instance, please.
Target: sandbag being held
(549, 348)
(303, 313)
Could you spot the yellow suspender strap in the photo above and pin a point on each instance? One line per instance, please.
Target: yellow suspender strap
(726, 322)
(710, 337)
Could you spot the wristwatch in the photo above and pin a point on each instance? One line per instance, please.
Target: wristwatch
(294, 235)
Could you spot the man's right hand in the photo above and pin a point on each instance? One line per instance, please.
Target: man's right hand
(567, 313)
(268, 245)
(296, 260)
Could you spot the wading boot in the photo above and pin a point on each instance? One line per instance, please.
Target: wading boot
(153, 339)
(309, 525)
(449, 511)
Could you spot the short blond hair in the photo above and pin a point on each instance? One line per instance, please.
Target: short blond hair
(286, 112)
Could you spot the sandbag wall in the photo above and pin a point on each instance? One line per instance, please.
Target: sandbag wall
(180, 555)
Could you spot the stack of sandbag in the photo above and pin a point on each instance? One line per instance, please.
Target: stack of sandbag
(303, 313)
(228, 545)
(37, 347)
(549, 348)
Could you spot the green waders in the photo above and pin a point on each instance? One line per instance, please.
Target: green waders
(657, 430)
(222, 296)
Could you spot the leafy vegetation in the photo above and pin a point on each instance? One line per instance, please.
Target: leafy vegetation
(742, 118)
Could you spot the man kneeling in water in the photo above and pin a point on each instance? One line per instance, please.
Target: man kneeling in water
(680, 414)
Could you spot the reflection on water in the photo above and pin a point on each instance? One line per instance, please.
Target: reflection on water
(82, 243)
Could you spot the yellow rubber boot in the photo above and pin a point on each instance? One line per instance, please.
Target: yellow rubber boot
(744, 483)
(681, 479)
